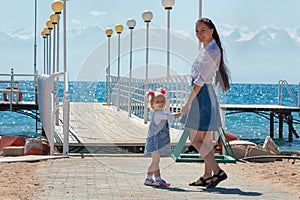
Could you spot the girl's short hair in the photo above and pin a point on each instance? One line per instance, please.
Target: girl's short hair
(153, 94)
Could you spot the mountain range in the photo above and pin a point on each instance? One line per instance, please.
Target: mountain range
(267, 55)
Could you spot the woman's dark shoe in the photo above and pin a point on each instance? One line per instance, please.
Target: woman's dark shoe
(216, 179)
(200, 182)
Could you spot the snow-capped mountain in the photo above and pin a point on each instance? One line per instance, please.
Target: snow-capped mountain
(246, 50)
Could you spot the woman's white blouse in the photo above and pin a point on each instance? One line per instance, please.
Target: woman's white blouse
(206, 64)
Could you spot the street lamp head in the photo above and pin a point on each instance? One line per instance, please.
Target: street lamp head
(131, 23)
(168, 4)
(109, 32)
(119, 28)
(54, 18)
(57, 6)
(147, 16)
(49, 24)
(46, 31)
(43, 34)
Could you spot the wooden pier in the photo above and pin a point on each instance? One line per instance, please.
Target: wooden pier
(5, 106)
(284, 114)
(98, 126)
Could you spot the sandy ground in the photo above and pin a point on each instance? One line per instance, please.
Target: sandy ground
(19, 180)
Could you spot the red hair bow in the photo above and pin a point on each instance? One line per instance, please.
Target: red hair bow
(151, 93)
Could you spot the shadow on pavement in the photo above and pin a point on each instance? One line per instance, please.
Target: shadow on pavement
(175, 189)
(231, 191)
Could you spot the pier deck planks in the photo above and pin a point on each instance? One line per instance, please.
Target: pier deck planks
(98, 124)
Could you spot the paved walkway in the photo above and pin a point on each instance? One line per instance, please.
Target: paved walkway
(116, 177)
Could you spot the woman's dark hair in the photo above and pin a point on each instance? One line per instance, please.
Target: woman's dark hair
(222, 76)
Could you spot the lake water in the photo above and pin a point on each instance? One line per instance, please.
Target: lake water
(248, 126)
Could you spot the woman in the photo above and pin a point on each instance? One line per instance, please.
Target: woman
(202, 107)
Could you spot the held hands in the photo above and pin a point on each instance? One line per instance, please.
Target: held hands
(184, 110)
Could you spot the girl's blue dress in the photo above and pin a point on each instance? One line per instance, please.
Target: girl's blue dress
(158, 138)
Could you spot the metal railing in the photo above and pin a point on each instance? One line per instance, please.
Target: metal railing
(284, 83)
(129, 94)
(17, 87)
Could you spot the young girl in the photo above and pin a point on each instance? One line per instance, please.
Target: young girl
(158, 138)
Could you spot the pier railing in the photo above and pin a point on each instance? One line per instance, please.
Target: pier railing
(129, 94)
(15, 88)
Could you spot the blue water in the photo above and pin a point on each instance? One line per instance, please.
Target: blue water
(248, 126)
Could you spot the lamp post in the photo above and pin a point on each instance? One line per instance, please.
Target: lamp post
(35, 53)
(200, 16)
(47, 33)
(50, 27)
(147, 17)
(53, 19)
(200, 9)
(131, 24)
(108, 33)
(57, 7)
(44, 38)
(168, 4)
(119, 29)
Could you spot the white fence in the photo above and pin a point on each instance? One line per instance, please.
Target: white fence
(129, 94)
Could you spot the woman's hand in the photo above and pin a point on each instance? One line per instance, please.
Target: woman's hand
(184, 110)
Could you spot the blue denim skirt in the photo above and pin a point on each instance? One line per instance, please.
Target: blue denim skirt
(204, 113)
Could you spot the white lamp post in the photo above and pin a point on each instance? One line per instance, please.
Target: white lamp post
(108, 33)
(168, 4)
(50, 27)
(47, 33)
(131, 24)
(53, 19)
(57, 7)
(147, 17)
(44, 37)
(119, 29)
(200, 9)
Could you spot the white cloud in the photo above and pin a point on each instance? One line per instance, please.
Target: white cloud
(97, 13)
(76, 22)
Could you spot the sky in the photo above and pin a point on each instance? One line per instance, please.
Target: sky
(253, 15)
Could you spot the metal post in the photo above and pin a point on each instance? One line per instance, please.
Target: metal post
(49, 69)
(108, 73)
(168, 60)
(298, 94)
(118, 95)
(146, 75)
(51, 139)
(35, 48)
(66, 111)
(47, 56)
(44, 55)
(11, 88)
(200, 16)
(200, 9)
(130, 76)
(57, 70)
(168, 45)
(54, 43)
